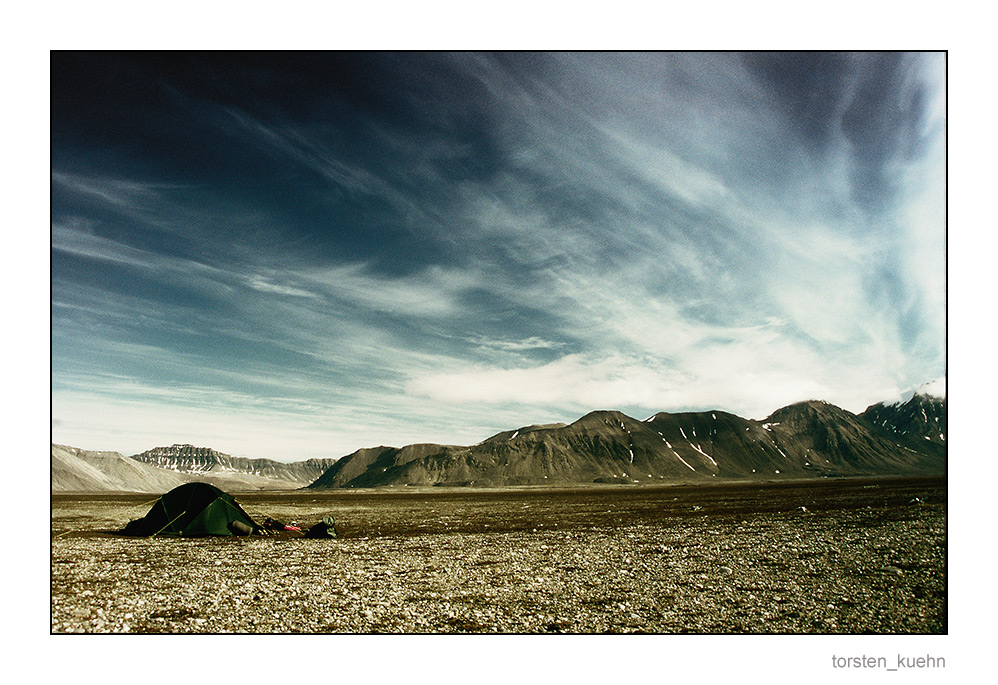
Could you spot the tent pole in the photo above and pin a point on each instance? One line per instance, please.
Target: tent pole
(168, 524)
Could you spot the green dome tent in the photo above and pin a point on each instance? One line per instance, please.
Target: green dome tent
(194, 510)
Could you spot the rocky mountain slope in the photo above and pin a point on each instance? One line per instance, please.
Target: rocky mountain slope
(804, 440)
(77, 470)
(920, 419)
(164, 468)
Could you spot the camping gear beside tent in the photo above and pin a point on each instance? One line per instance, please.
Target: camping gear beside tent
(325, 528)
(194, 510)
(273, 524)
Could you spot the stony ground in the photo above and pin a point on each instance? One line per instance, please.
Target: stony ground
(849, 557)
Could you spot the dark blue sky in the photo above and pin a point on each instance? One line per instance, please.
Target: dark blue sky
(291, 255)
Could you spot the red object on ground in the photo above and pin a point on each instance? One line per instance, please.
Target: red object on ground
(292, 528)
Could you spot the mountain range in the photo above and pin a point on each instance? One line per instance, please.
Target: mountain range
(805, 440)
(812, 439)
(163, 468)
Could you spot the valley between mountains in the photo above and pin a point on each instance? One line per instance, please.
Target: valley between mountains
(812, 439)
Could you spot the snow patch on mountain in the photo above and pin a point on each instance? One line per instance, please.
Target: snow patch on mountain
(936, 388)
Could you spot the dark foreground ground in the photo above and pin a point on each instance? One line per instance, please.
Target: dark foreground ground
(843, 556)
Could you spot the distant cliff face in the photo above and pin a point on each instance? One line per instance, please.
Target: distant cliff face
(189, 459)
(183, 458)
(804, 440)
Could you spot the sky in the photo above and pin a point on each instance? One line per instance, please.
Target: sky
(296, 255)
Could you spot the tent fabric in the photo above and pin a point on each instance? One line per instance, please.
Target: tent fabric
(194, 510)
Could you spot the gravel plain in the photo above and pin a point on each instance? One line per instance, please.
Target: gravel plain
(810, 557)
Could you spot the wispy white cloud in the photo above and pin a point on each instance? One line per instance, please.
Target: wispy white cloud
(752, 372)
(431, 292)
(70, 239)
(123, 193)
(267, 286)
(640, 231)
(571, 381)
(522, 345)
(312, 151)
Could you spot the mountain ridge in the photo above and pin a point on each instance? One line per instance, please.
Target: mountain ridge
(187, 458)
(808, 439)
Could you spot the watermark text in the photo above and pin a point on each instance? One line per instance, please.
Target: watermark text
(897, 662)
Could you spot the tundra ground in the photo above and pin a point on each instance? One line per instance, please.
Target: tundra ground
(842, 556)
